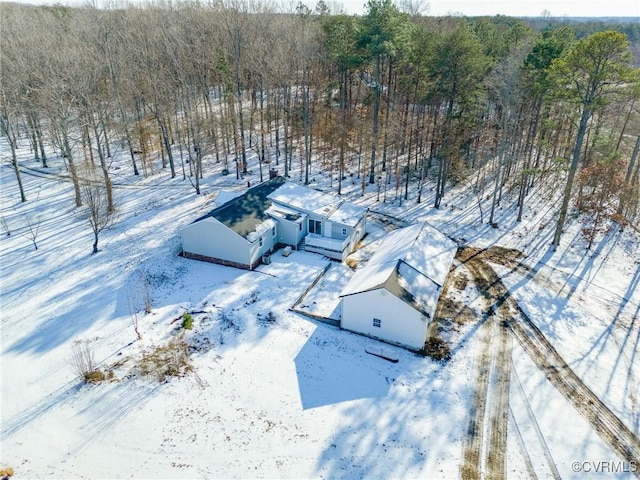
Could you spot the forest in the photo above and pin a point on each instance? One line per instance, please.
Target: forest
(393, 100)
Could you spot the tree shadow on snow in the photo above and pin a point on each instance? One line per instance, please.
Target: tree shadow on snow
(18, 422)
(111, 403)
(410, 432)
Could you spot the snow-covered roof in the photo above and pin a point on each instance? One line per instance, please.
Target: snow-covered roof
(421, 246)
(348, 214)
(412, 263)
(306, 199)
(225, 196)
(261, 228)
(285, 213)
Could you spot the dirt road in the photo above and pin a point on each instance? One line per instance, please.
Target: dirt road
(486, 441)
(490, 410)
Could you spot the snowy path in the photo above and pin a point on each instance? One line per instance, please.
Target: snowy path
(486, 442)
(608, 426)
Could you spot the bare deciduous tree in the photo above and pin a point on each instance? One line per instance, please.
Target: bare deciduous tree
(133, 313)
(32, 226)
(96, 205)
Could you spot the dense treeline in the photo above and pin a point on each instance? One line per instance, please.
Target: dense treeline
(389, 98)
(586, 27)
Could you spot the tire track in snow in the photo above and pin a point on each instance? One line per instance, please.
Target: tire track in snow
(536, 428)
(608, 426)
(484, 454)
(523, 447)
(499, 406)
(472, 450)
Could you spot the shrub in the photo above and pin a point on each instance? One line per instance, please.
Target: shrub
(437, 349)
(84, 364)
(352, 263)
(187, 321)
(95, 376)
(170, 360)
(6, 472)
(82, 359)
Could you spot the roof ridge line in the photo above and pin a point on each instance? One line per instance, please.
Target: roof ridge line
(421, 273)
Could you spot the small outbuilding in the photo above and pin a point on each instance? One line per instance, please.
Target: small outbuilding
(394, 296)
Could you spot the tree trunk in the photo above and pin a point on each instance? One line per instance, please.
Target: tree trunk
(262, 114)
(43, 155)
(103, 166)
(277, 126)
(95, 242)
(243, 149)
(586, 115)
(164, 130)
(385, 141)
(16, 168)
(496, 188)
(305, 120)
(343, 121)
(376, 121)
(629, 174)
(72, 168)
(32, 133)
(105, 134)
(285, 121)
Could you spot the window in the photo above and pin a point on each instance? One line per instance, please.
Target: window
(300, 225)
(273, 230)
(260, 241)
(344, 232)
(315, 226)
(377, 322)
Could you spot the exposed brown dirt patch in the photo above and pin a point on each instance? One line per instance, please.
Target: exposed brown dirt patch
(459, 281)
(453, 311)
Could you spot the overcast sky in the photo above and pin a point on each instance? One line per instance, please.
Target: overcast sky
(523, 8)
(514, 8)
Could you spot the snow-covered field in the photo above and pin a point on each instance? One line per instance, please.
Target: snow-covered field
(290, 397)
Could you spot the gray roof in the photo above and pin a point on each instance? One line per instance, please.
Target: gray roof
(243, 214)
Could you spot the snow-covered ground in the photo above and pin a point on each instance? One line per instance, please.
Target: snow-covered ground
(273, 393)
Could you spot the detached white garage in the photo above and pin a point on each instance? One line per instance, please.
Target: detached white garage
(394, 296)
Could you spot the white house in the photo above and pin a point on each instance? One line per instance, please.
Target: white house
(241, 231)
(236, 233)
(394, 296)
(323, 223)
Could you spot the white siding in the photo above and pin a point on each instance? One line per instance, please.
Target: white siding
(268, 241)
(400, 323)
(211, 238)
(290, 233)
(326, 230)
(359, 232)
(336, 231)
